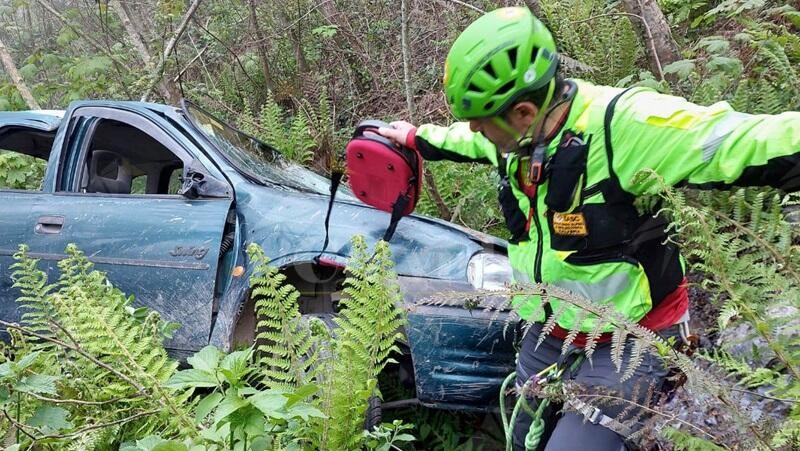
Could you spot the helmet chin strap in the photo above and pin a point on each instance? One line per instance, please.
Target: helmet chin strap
(525, 139)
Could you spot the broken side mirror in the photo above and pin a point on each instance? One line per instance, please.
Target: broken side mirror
(195, 183)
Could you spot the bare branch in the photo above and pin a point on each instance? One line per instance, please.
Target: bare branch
(11, 69)
(467, 5)
(162, 62)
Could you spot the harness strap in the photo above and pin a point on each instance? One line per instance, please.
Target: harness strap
(336, 179)
(616, 187)
(397, 214)
(596, 416)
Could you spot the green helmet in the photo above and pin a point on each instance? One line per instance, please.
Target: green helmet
(500, 56)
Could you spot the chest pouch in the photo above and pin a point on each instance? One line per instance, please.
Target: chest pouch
(567, 169)
(383, 174)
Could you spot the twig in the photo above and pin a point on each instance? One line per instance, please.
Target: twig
(750, 392)
(20, 427)
(227, 49)
(79, 401)
(459, 2)
(99, 426)
(77, 349)
(189, 64)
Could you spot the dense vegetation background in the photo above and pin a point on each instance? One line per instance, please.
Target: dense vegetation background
(300, 73)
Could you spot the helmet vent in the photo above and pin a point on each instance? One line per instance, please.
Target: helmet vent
(512, 55)
(534, 54)
(490, 70)
(502, 90)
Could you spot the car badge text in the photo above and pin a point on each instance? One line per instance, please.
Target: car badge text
(189, 251)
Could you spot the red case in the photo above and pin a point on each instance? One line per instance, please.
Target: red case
(380, 172)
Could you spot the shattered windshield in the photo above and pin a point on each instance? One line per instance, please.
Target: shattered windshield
(255, 158)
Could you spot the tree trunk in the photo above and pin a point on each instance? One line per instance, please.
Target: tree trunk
(654, 29)
(261, 46)
(536, 8)
(162, 62)
(136, 37)
(11, 69)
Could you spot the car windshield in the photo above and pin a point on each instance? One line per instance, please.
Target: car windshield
(256, 159)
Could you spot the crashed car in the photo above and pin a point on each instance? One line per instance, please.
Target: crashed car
(166, 200)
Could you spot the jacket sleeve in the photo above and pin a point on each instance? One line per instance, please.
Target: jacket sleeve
(455, 143)
(702, 147)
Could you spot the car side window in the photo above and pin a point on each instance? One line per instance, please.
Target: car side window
(23, 158)
(19, 171)
(122, 159)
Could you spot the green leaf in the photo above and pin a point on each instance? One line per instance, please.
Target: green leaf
(149, 442)
(170, 446)
(5, 369)
(269, 403)
(192, 378)
(91, 66)
(304, 411)
(405, 438)
(26, 361)
(206, 359)
(28, 71)
(681, 68)
(236, 365)
(229, 405)
(724, 64)
(37, 383)
(715, 45)
(301, 393)
(168, 329)
(50, 419)
(325, 31)
(259, 444)
(205, 406)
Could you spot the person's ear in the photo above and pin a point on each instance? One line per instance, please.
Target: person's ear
(522, 114)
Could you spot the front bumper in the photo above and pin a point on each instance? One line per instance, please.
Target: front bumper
(461, 352)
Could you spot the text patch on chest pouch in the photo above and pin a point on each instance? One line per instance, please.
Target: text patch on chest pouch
(570, 224)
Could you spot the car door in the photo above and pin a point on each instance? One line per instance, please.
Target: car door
(26, 139)
(117, 199)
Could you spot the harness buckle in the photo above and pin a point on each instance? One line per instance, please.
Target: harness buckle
(595, 415)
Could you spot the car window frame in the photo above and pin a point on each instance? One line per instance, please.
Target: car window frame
(131, 118)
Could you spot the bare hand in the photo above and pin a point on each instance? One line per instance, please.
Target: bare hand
(398, 133)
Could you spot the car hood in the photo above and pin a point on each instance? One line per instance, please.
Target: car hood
(289, 225)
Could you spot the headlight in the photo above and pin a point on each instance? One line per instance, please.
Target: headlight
(489, 271)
